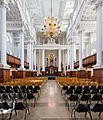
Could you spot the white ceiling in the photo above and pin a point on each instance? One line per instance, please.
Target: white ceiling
(41, 9)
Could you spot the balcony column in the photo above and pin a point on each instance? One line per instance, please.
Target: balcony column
(22, 49)
(3, 43)
(35, 59)
(99, 33)
(59, 66)
(43, 60)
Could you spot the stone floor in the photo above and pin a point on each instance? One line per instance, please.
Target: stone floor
(50, 106)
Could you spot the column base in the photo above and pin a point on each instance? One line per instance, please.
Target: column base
(28, 74)
(59, 73)
(43, 73)
(74, 73)
(98, 75)
(18, 74)
(68, 73)
(4, 75)
(34, 73)
(81, 74)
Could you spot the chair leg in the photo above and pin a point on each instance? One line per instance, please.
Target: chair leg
(9, 118)
(15, 112)
(99, 114)
(90, 115)
(85, 114)
(25, 114)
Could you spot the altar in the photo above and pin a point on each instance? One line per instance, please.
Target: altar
(51, 70)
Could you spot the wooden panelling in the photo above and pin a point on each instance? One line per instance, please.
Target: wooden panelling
(73, 73)
(4, 75)
(18, 74)
(98, 75)
(81, 74)
(68, 73)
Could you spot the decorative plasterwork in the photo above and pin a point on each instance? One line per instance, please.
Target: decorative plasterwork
(86, 26)
(15, 26)
(51, 47)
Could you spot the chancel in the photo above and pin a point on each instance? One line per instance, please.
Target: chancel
(51, 59)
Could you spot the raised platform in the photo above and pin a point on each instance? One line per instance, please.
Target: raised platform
(51, 77)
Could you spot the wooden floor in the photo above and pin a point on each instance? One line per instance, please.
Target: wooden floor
(50, 106)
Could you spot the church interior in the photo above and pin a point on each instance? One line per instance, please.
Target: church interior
(51, 59)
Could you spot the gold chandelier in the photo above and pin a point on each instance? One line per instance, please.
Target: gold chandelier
(51, 26)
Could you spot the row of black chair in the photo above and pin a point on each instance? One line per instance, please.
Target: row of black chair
(17, 89)
(86, 99)
(16, 98)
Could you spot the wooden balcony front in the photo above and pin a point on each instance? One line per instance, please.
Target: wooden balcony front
(15, 61)
(26, 64)
(89, 61)
(76, 65)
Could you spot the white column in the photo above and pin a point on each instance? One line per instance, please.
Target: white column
(29, 55)
(59, 53)
(73, 54)
(99, 33)
(32, 44)
(35, 59)
(80, 50)
(38, 67)
(68, 59)
(22, 49)
(43, 60)
(3, 42)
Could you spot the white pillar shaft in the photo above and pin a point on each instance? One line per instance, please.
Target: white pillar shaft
(22, 49)
(68, 59)
(81, 50)
(43, 60)
(31, 56)
(59, 69)
(3, 34)
(35, 59)
(73, 54)
(99, 36)
(38, 67)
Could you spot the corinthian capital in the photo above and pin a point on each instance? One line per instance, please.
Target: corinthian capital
(99, 3)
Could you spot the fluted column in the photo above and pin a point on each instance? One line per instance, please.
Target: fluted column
(99, 32)
(59, 53)
(22, 49)
(3, 43)
(35, 59)
(43, 60)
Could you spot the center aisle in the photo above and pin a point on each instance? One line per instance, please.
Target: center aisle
(50, 105)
